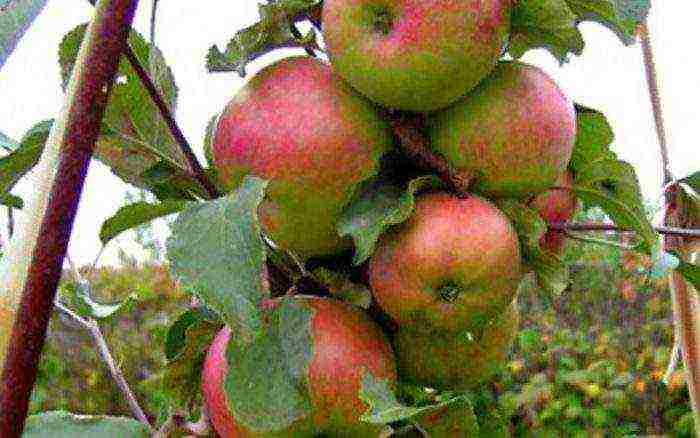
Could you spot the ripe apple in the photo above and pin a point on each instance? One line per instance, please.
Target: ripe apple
(458, 360)
(453, 265)
(299, 125)
(346, 345)
(514, 132)
(415, 55)
(556, 205)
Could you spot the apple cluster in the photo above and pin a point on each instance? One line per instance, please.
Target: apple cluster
(448, 276)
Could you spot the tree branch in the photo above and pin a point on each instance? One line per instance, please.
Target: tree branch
(414, 143)
(671, 231)
(91, 325)
(36, 253)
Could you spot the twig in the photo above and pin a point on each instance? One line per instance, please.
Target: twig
(10, 222)
(652, 83)
(414, 143)
(152, 66)
(597, 241)
(199, 174)
(685, 309)
(103, 349)
(671, 231)
(198, 171)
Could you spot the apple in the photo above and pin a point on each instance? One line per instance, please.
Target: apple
(415, 55)
(453, 265)
(455, 360)
(346, 345)
(514, 132)
(300, 126)
(556, 205)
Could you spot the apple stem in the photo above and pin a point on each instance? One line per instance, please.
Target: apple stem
(415, 144)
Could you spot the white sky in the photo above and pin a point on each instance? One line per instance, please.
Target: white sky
(608, 77)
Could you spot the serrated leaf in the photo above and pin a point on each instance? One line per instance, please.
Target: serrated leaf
(133, 136)
(342, 288)
(594, 135)
(277, 393)
(167, 182)
(548, 24)
(612, 185)
(62, 424)
(620, 16)
(551, 272)
(274, 30)
(384, 407)
(378, 206)
(15, 18)
(183, 373)
(13, 201)
(175, 340)
(132, 215)
(216, 249)
(20, 161)
(7, 143)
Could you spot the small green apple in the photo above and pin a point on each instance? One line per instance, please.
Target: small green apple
(514, 132)
(455, 360)
(415, 55)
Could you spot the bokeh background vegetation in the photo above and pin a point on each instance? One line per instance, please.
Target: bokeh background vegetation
(590, 362)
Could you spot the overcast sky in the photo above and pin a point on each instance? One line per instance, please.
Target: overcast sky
(608, 77)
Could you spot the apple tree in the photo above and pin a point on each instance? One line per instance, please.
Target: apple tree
(355, 242)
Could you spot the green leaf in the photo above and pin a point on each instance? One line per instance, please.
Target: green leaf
(7, 143)
(81, 300)
(276, 394)
(61, 424)
(593, 138)
(175, 341)
(19, 162)
(691, 273)
(342, 288)
(216, 249)
(187, 347)
(552, 273)
(15, 18)
(620, 16)
(384, 407)
(548, 24)
(133, 215)
(11, 201)
(134, 136)
(209, 139)
(454, 419)
(612, 185)
(379, 206)
(273, 31)
(693, 181)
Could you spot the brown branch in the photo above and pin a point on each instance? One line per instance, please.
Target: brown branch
(414, 143)
(91, 325)
(10, 222)
(653, 85)
(167, 116)
(670, 231)
(73, 136)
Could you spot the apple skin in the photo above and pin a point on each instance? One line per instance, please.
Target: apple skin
(452, 360)
(415, 55)
(346, 344)
(453, 265)
(514, 132)
(556, 205)
(303, 128)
